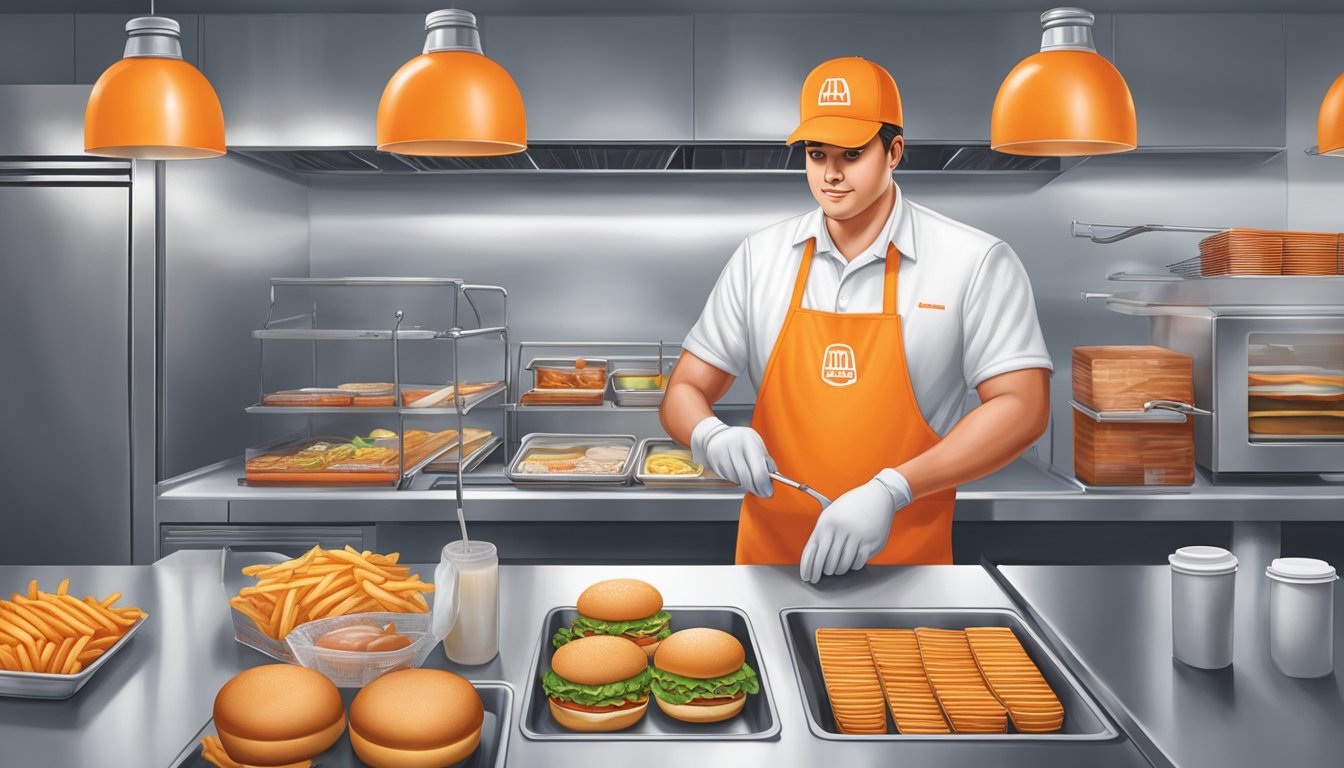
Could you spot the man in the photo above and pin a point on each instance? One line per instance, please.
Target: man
(863, 325)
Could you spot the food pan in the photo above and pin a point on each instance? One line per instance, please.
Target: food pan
(562, 373)
(706, 479)
(1083, 719)
(758, 720)
(544, 440)
(46, 685)
(496, 696)
(636, 398)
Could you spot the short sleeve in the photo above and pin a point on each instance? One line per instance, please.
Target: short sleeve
(1000, 329)
(719, 337)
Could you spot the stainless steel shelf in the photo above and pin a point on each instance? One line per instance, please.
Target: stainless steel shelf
(469, 462)
(367, 282)
(340, 334)
(610, 406)
(469, 403)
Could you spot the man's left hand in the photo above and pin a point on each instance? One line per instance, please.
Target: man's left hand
(854, 527)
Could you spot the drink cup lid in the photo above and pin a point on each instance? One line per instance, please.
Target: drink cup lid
(1301, 570)
(1203, 561)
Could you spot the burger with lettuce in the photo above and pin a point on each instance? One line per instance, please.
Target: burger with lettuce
(700, 675)
(627, 608)
(598, 683)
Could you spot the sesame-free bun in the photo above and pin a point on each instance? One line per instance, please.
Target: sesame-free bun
(620, 600)
(416, 718)
(597, 722)
(598, 660)
(278, 714)
(701, 653)
(704, 713)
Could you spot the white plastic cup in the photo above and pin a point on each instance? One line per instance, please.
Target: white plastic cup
(466, 602)
(1203, 592)
(1302, 616)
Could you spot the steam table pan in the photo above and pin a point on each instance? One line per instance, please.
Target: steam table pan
(758, 720)
(498, 701)
(1083, 718)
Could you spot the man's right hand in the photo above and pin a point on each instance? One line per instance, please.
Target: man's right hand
(736, 454)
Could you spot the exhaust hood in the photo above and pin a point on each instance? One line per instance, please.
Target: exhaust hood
(744, 157)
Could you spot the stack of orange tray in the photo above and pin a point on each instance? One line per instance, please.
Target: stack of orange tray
(1242, 251)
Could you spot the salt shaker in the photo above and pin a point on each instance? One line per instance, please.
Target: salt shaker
(1203, 591)
(1301, 616)
(466, 601)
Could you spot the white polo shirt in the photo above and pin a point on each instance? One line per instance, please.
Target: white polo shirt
(966, 305)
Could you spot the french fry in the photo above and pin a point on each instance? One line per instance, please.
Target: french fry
(87, 610)
(104, 643)
(52, 605)
(247, 609)
(108, 613)
(387, 599)
(61, 589)
(109, 600)
(72, 658)
(8, 660)
(58, 661)
(45, 629)
(25, 663)
(32, 589)
(89, 655)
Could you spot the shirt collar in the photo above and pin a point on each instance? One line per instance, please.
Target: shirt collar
(899, 230)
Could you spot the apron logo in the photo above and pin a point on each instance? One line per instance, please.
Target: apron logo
(837, 366)
(834, 93)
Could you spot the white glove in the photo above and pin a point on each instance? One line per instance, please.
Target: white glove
(854, 527)
(736, 454)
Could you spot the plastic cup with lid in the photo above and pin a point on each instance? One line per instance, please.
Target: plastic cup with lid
(1302, 616)
(1203, 592)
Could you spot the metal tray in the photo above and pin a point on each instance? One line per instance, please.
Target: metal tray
(1083, 719)
(447, 462)
(635, 398)
(706, 479)
(45, 685)
(496, 696)
(543, 439)
(758, 721)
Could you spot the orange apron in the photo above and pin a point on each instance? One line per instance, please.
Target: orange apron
(835, 407)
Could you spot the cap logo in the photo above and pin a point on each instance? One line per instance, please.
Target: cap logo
(834, 93)
(837, 366)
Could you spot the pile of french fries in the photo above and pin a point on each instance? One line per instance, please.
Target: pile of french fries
(212, 751)
(323, 583)
(59, 633)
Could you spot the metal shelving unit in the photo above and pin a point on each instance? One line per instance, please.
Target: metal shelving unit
(305, 328)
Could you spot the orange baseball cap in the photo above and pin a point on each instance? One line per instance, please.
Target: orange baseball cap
(845, 101)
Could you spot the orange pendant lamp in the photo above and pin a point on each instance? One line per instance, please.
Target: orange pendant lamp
(451, 100)
(152, 105)
(1065, 101)
(1330, 123)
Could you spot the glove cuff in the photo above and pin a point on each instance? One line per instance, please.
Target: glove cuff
(700, 436)
(896, 485)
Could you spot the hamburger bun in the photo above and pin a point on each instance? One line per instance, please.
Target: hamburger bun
(597, 722)
(599, 660)
(704, 713)
(416, 718)
(650, 649)
(701, 653)
(278, 714)
(620, 600)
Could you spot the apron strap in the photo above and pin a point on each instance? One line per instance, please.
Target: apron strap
(890, 279)
(800, 284)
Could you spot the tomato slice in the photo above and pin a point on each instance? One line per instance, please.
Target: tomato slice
(611, 708)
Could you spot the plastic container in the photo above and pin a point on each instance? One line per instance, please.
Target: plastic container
(339, 461)
(356, 669)
(1203, 591)
(1302, 616)
(569, 373)
(467, 617)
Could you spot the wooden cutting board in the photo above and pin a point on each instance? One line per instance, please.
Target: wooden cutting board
(1123, 378)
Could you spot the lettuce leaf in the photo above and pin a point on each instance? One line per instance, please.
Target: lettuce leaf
(607, 695)
(675, 689)
(654, 626)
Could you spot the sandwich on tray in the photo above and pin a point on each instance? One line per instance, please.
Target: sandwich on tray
(598, 683)
(629, 608)
(700, 675)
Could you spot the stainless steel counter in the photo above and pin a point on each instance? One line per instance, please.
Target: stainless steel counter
(1117, 621)
(144, 706)
(1024, 491)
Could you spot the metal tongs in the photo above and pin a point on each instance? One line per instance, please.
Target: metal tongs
(804, 487)
(1084, 229)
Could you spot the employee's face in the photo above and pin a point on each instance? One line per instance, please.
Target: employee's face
(845, 181)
